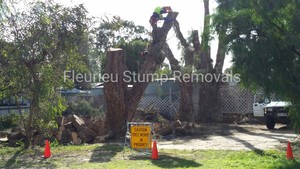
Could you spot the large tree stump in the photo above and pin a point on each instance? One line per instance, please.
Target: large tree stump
(114, 90)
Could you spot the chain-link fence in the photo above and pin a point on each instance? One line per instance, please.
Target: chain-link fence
(166, 99)
(167, 105)
(235, 100)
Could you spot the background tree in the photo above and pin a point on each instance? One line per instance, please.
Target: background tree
(197, 58)
(113, 31)
(264, 38)
(37, 46)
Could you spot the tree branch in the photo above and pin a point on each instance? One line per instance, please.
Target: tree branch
(179, 34)
(155, 57)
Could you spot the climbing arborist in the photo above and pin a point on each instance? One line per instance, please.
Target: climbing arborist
(157, 14)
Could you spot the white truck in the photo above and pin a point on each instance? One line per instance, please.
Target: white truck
(273, 112)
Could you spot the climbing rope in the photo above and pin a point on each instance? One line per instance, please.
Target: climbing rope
(171, 37)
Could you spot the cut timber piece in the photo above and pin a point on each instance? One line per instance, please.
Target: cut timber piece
(169, 128)
(65, 137)
(62, 128)
(77, 121)
(74, 135)
(75, 139)
(86, 134)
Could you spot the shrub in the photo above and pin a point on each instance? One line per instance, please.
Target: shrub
(9, 121)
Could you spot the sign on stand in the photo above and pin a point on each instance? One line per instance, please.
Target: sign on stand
(141, 136)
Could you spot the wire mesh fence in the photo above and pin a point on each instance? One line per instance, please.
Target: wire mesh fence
(235, 100)
(167, 105)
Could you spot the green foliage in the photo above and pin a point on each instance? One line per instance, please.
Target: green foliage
(116, 32)
(134, 57)
(9, 121)
(54, 143)
(164, 71)
(295, 115)
(84, 108)
(38, 45)
(264, 38)
(113, 30)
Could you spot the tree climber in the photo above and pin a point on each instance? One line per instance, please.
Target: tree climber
(157, 15)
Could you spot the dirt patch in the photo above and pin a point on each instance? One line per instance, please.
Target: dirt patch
(231, 137)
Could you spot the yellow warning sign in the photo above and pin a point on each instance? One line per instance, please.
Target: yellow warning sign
(141, 137)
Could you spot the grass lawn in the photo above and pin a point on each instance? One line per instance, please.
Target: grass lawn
(111, 156)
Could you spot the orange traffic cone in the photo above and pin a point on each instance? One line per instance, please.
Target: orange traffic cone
(289, 152)
(47, 152)
(154, 155)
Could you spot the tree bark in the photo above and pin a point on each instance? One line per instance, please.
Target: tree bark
(221, 51)
(114, 90)
(207, 87)
(157, 53)
(186, 110)
(33, 110)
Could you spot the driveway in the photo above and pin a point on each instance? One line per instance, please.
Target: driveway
(231, 137)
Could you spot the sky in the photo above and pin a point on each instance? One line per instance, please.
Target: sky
(139, 11)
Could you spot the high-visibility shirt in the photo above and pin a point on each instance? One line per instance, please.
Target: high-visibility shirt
(157, 10)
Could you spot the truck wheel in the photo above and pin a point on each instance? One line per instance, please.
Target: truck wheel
(270, 122)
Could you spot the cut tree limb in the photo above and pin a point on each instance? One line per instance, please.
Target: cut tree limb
(77, 121)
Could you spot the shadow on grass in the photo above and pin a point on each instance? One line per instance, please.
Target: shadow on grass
(264, 153)
(13, 159)
(166, 161)
(105, 153)
(24, 158)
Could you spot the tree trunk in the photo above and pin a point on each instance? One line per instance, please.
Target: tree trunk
(209, 103)
(186, 102)
(207, 88)
(122, 104)
(221, 51)
(114, 90)
(33, 112)
(157, 53)
(186, 110)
